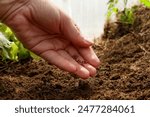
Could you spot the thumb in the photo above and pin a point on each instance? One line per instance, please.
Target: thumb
(72, 32)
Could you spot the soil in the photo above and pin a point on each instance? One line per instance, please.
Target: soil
(124, 72)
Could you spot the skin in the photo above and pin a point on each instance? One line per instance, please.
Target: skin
(50, 33)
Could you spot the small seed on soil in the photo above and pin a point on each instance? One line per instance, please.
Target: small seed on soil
(81, 62)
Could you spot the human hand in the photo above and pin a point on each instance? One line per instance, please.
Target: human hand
(47, 31)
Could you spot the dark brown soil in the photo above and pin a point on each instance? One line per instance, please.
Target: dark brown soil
(124, 72)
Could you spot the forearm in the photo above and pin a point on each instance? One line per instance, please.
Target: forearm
(8, 7)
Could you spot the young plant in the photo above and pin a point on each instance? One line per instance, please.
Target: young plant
(10, 47)
(112, 8)
(126, 16)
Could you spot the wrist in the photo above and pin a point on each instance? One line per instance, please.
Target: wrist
(8, 8)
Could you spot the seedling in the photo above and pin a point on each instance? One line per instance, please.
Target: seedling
(112, 8)
(126, 16)
(10, 47)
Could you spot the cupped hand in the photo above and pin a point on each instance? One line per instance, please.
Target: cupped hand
(47, 31)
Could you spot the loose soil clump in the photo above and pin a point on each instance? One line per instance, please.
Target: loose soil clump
(124, 72)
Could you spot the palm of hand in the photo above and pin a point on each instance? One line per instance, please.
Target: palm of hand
(54, 38)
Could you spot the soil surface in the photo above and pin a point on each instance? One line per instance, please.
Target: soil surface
(124, 73)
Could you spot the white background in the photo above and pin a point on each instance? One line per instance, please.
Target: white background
(7, 108)
(88, 14)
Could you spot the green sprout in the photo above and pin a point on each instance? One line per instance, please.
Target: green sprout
(112, 8)
(126, 16)
(10, 47)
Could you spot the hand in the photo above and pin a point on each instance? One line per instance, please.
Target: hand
(47, 31)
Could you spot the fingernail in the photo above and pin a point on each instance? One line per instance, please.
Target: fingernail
(88, 40)
(84, 73)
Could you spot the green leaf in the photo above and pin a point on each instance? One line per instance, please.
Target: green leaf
(34, 56)
(14, 51)
(127, 16)
(10, 47)
(2, 28)
(5, 45)
(4, 42)
(22, 53)
(115, 10)
(146, 2)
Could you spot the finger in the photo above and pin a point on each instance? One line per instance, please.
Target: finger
(77, 57)
(89, 55)
(80, 71)
(91, 69)
(71, 32)
(54, 58)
